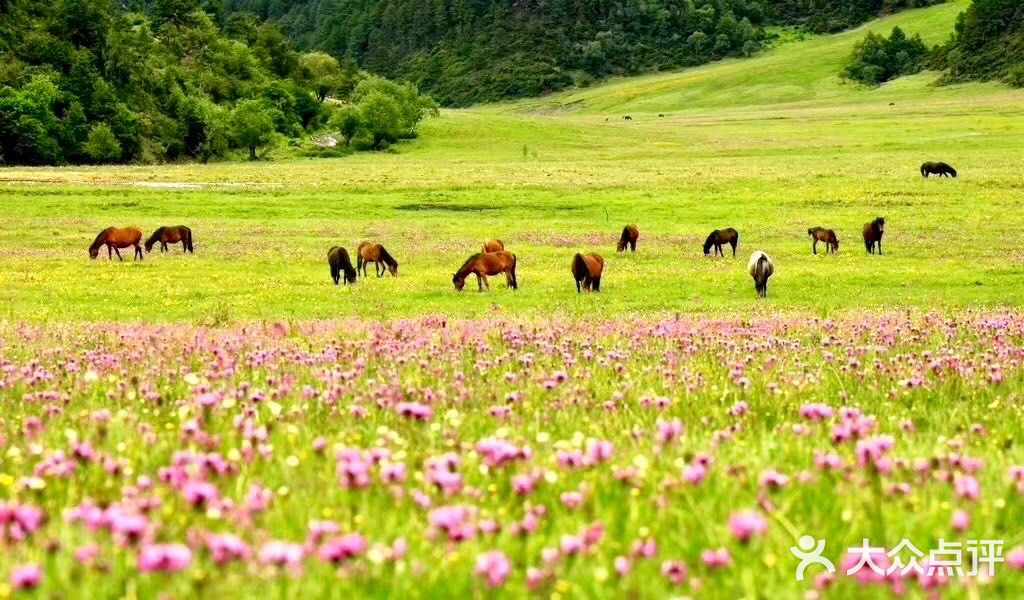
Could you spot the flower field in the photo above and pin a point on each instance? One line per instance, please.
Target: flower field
(562, 458)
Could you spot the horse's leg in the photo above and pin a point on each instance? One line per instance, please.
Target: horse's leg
(118, 252)
(879, 246)
(138, 252)
(577, 285)
(487, 284)
(597, 284)
(110, 256)
(814, 246)
(734, 248)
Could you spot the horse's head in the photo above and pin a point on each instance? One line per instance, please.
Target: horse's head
(708, 243)
(952, 171)
(149, 245)
(393, 269)
(880, 224)
(621, 246)
(94, 251)
(459, 282)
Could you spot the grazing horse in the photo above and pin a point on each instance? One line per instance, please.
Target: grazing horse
(718, 238)
(115, 238)
(627, 118)
(820, 234)
(339, 262)
(494, 245)
(483, 264)
(760, 268)
(375, 253)
(171, 235)
(630, 234)
(937, 168)
(586, 270)
(873, 235)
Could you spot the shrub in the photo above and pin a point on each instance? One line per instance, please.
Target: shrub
(877, 59)
(101, 146)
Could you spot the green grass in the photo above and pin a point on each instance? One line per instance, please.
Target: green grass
(770, 145)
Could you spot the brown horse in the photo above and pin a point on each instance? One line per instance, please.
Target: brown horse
(375, 253)
(494, 245)
(820, 234)
(630, 234)
(937, 168)
(483, 264)
(718, 238)
(339, 262)
(171, 235)
(873, 235)
(115, 238)
(586, 270)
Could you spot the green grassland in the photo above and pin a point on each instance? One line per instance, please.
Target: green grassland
(770, 145)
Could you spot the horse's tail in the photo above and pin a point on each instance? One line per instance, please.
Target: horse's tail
(188, 241)
(515, 280)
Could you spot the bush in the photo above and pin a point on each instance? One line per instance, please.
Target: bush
(101, 146)
(877, 59)
(252, 125)
(1016, 77)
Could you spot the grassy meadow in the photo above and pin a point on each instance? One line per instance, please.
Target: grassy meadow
(770, 145)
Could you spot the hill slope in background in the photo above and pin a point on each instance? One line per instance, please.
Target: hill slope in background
(989, 42)
(465, 52)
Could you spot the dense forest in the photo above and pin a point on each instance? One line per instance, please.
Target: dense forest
(465, 51)
(103, 82)
(988, 43)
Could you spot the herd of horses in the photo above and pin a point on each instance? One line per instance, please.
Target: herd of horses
(493, 259)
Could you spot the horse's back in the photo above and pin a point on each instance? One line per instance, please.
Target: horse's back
(595, 264)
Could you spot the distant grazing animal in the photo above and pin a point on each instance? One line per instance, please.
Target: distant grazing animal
(117, 237)
(718, 238)
(760, 268)
(630, 234)
(494, 245)
(339, 262)
(937, 168)
(892, 104)
(171, 235)
(627, 118)
(606, 119)
(820, 234)
(873, 235)
(375, 253)
(660, 115)
(483, 264)
(586, 270)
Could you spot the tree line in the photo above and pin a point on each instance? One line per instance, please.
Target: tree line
(467, 51)
(987, 43)
(97, 81)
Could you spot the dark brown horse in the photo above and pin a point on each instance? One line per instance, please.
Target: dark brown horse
(720, 237)
(630, 234)
(483, 264)
(117, 237)
(375, 253)
(820, 234)
(171, 235)
(937, 168)
(586, 270)
(873, 235)
(339, 262)
(494, 245)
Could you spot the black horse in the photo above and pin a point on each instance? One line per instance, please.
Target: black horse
(937, 168)
(339, 261)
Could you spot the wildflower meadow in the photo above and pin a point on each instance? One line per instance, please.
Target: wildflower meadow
(649, 457)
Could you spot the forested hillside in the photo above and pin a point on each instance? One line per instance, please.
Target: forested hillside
(149, 81)
(465, 51)
(988, 42)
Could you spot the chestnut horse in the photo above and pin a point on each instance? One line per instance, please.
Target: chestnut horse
(338, 261)
(171, 235)
(760, 268)
(586, 270)
(630, 234)
(483, 264)
(820, 234)
(375, 253)
(937, 168)
(719, 237)
(873, 235)
(494, 245)
(115, 238)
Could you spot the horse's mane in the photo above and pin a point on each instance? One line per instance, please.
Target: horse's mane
(468, 260)
(156, 234)
(387, 258)
(99, 239)
(709, 242)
